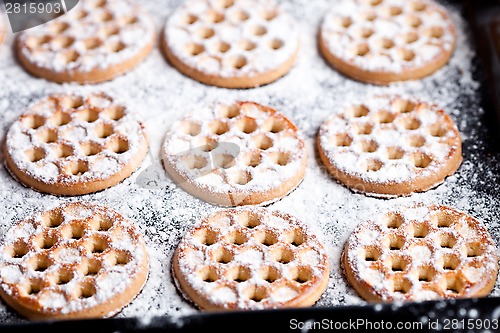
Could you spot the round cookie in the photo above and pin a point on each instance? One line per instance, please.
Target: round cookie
(250, 258)
(390, 146)
(96, 41)
(231, 44)
(73, 145)
(421, 253)
(383, 41)
(238, 154)
(78, 260)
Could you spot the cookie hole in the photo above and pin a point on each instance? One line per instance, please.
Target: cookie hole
(195, 49)
(78, 168)
(252, 159)
(280, 158)
(91, 267)
(105, 17)
(190, 19)
(104, 131)
(447, 241)
(362, 50)
(426, 274)
(237, 238)
(117, 46)
(270, 274)
(369, 16)
(239, 62)
(81, 14)
(416, 141)
(53, 219)
(218, 127)
(357, 111)
(395, 242)
(398, 264)
(374, 3)
(386, 43)
(92, 43)
(394, 220)
(19, 250)
(105, 223)
(88, 115)
(345, 22)
(59, 27)
(401, 286)
(443, 220)
(36, 42)
(206, 33)
(223, 47)
(120, 258)
(421, 160)
(48, 135)
(109, 31)
(73, 231)
(63, 277)
(225, 3)
(208, 274)
(450, 262)
(276, 44)
(248, 45)
(240, 16)
(98, 245)
(72, 102)
(410, 37)
(270, 15)
(474, 249)
(296, 238)
(230, 112)
(418, 6)
(262, 142)
(420, 231)
(363, 129)
(437, 130)
(33, 121)
(411, 124)
(302, 275)
(190, 128)
(365, 33)
(395, 153)
(407, 55)
(414, 21)
(241, 178)
(435, 32)
(193, 162)
(372, 253)
(60, 119)
(215, 17)
(373, 165)
(45, 242)
(62, 42)
(266, 238)
(85, 290)
(395, 11)
(98, 3)
(35, 155)
(248, 220)
(39, 263)
(283, 255)
(259, 30)
(404, 106)
(206, 144)
(90, 148)
(246, 125)
(34, 288)
(223, 256)
(453, 285)
(256, 294)
(224, 161)
(341, 140)
(239, 274)
(119, 146)
(368, 146)
(70, 56)
(274, 125)
(205, 237)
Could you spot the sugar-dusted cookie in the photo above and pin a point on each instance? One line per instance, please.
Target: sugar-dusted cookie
(251, 258)
(78, 260)
(96, 41)
(421, 253)
(72, 145)
(231, 43)
(238, 154)
(390, 146)
(382, 41)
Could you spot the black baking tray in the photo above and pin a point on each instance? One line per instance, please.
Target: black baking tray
(471, 315)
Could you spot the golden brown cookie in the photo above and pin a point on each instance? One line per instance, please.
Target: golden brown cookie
(238, 154)
(231, 44)
(421, 253)
(390, 146)
(78, 260)
(251, 258)
(96, 41)
(382, 41)
(73, 145)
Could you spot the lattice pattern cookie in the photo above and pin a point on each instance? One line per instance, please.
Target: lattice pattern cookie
(390, 146)
(239, 154)
(78, 260)
(72, 145)
(96, 41)
(251, 258)
(231, 43)
(421, 253)
(382, 41)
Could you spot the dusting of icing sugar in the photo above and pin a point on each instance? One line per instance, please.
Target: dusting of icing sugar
(89, 38)
(391, 36)
(247, 38)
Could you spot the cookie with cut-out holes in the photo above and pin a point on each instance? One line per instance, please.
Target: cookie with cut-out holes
(382, 41)
(238, 154)
(73, 145)
(251, 258)
(390, 146)
(421, 253)
(78, 260)
(231, 44)
(95, 42)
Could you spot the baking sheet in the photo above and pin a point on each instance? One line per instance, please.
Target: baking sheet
(307, 95)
